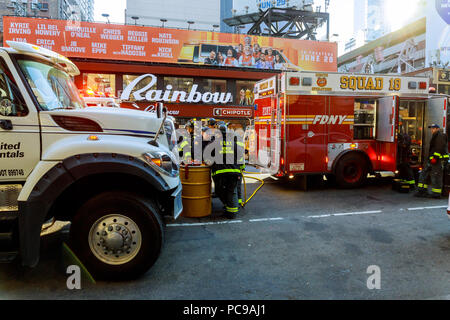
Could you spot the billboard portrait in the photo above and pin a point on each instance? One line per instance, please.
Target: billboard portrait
(438, 32)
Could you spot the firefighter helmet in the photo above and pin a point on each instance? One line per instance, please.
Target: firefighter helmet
(212, 122)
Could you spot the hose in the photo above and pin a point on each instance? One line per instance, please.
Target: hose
(245, 186)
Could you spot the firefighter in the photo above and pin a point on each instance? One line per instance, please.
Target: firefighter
(226, 175)
(406, 174)
(184, 143)
(433, 170)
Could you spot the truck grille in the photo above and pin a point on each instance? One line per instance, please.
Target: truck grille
(8, 197)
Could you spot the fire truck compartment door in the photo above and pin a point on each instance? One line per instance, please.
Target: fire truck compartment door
(386, 135)
(275, 138)
(386, 119)
(436, 113)
(269, 138)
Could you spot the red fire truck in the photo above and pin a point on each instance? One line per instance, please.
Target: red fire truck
(342, 125)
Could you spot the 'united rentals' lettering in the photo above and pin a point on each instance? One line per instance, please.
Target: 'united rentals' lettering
(361, 83)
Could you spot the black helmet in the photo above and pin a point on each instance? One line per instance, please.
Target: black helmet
(212, 122)
(222, 127)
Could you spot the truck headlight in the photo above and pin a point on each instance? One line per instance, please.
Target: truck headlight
(162, 162)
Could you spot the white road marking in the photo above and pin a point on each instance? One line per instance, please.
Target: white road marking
(311, 217)
(266, 219)
(202, 223)
(425, 208)
(344, 214)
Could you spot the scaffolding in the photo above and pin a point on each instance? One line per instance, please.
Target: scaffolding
(283, 22)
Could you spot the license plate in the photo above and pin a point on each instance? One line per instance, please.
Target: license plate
(297, 167)
(177, 203)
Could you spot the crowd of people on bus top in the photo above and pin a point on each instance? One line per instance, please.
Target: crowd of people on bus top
(246, 55)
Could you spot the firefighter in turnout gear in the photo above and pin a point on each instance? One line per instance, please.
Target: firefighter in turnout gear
(186, 147)
(226, 174)
(434, 169)
(406, 175)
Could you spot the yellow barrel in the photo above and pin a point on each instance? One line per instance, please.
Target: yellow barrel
(196, 181)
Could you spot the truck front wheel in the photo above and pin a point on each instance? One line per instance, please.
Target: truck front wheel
(351, 171)
(117, 235)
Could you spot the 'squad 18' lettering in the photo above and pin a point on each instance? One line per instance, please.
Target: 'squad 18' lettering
(395, 84)
(361, 83)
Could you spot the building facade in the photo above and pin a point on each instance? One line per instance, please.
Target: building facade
(83, 9)
(369, 23)
(401, 51)
(52, 9)
(372, 19)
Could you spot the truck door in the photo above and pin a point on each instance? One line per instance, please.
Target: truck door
(316, 134)
(19, 128)
(308, 119)
(387, 118)
(436, 112)
(267, 137)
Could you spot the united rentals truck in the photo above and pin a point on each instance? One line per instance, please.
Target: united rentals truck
(109, 171)
(341, 125)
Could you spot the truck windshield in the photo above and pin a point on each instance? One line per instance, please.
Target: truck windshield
(52, 87)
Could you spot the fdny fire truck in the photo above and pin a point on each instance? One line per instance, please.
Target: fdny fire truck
(341, 125)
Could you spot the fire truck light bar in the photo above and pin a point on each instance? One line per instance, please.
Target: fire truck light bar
(294, 81)
(412, 85)
(307, 82)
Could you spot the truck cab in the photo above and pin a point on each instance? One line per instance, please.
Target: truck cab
(111, 172)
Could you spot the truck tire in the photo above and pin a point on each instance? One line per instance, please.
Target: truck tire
(117, 235)
(351, 171)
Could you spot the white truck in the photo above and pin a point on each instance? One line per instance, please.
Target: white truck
(109, 171)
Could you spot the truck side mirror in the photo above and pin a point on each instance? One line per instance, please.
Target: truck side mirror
(160, 110)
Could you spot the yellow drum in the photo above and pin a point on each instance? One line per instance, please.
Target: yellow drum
(196, 181)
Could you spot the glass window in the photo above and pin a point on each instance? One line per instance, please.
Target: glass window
(179, 84)
(11, 100)
(244, 92)
(127, 79)
(99, 85)
(52, 87)
(444, 89)
(213, 85)
(364, 125)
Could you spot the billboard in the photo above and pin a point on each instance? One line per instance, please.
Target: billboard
(163, 45)
(438, 32)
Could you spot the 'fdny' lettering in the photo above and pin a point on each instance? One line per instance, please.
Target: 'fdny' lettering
(333, 119)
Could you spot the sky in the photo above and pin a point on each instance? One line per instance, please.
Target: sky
(116, 12)
(339, 10)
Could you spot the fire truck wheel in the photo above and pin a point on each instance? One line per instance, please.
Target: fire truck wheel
(117, 235)
(351, 171)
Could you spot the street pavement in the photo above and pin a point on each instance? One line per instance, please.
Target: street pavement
(287, 244)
